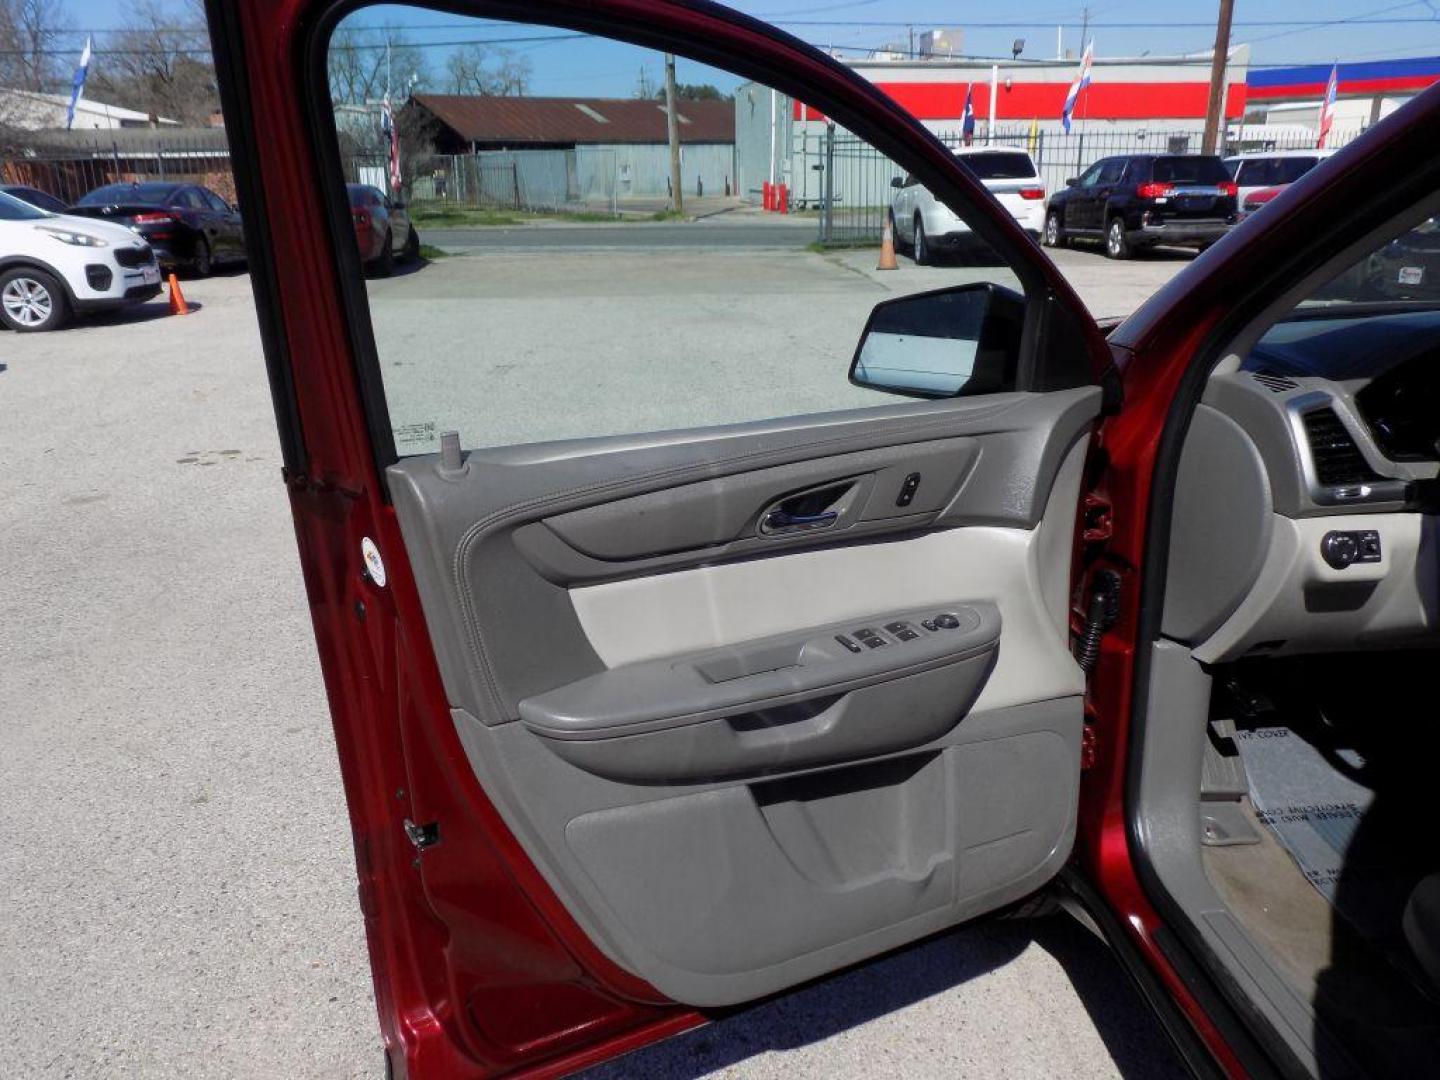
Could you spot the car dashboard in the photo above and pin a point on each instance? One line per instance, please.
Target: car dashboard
(1304, 509)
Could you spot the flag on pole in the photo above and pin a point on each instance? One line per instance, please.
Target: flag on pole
(1327, 106)
(77, 86)
(1081, 83)
(387, 125)
(967, 124)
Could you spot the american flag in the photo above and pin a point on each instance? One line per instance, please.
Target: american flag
(387, 125)
(1327, 106)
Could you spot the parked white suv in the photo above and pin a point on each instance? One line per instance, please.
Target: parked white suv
(1262, 169)
(925, 225)
(53, 266)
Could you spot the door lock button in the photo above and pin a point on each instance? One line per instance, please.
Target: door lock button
(908, 489)
(843, 640)
(946, 621)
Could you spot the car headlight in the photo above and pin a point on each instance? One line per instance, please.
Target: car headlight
(76, 239)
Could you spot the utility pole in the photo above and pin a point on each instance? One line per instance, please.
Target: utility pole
(677, 196)
(1215, 112)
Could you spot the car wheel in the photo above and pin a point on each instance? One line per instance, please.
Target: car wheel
(385, 264)
(1054, 235)
(895, 232)
(412, 245)
(922, 246)
(32, 300)
(1116, 245)
(202, 263)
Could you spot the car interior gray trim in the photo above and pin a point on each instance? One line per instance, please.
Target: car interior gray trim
(1267, 419)
(1168, 817)
(731, 508)
(502, 632)
(724, 712)
(1221, 530)
(801, 873)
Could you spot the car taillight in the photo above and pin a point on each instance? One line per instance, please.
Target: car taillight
(1228, 187)
(151, 219)
(1154, 191)
(1032, 193)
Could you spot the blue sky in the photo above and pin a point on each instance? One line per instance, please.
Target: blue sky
(1331, 30)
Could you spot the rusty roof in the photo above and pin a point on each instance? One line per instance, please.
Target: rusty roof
(514, 121)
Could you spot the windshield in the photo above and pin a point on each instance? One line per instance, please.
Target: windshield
(1406, 268)
(999, 166)
(12, 209)
(1190, 170)
(133, 193)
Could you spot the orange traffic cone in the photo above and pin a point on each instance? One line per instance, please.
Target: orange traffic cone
(887, 248)
(177, 298)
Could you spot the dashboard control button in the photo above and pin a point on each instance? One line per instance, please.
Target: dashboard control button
(1369, 546)
(843, 640)
(1339, 549)
(906, 635)
(896, 627)
(946, 621)
(929, 624)
(874, 642)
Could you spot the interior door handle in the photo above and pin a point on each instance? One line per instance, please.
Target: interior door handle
(784, 521)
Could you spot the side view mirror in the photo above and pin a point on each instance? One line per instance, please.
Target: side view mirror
(960, 340)
(897, 182)
(1071, 181)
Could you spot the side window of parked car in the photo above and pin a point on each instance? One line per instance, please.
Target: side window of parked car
(219, 205)
(577, 289)
(1111, 173)
(188, 198)
(1091, 176)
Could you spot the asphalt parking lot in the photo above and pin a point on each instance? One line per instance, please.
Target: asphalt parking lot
(177, 880)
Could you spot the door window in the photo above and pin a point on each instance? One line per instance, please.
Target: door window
(1091, 176)
(564, 303)
(214, 201)
(1110, 174)
(188, 198)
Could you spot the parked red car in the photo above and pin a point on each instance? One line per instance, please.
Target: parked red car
(640, 726)
(382, 229)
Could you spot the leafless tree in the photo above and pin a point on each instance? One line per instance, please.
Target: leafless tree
(32, 36)
(358, 65)
(159, 64)
(487, 71)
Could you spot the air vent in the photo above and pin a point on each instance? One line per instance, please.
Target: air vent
(1332, 448)
(1276, 384)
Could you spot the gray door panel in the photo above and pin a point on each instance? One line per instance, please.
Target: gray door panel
(649, 644)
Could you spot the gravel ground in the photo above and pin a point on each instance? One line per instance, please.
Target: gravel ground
(177, 884)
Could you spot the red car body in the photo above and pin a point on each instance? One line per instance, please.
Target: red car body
(1257, 199)
(481, 932)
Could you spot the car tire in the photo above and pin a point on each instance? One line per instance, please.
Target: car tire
(412, 246)
(1117, 245)
(1054, 235)
(385, 261)
(922, 254)
(32, 300)
(202, 264)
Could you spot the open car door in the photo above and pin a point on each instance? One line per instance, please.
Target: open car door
(636, 724)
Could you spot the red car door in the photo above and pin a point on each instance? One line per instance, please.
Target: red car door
(636, 726)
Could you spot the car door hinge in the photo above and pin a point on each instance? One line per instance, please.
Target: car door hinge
(423, 836)
(1098, 524)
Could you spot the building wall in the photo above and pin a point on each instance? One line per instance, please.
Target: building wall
(643, 170)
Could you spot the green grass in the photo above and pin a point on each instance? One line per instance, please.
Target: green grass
(582, 216)
(429, 253)
(451, 216)
(666, 215)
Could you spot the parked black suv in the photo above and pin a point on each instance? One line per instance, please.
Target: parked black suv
(1143, 199)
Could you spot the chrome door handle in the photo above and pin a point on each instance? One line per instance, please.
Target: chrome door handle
(780, 521)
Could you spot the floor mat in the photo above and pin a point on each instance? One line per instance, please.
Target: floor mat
(1318, 813)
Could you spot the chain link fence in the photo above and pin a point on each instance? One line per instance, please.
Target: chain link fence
(851, 182)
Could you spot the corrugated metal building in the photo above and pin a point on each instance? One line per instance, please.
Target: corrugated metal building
(626, 137)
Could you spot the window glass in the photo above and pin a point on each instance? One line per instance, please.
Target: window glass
(999, 165)
(569, 287)
(13, 209)
(188, 198)
(1110, 174)
(1194, 169)
(1403, 270)
(214, 201)
(1091, 176)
